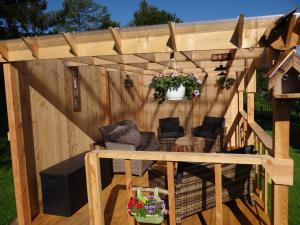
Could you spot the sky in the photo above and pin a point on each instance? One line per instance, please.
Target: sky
(195, 10)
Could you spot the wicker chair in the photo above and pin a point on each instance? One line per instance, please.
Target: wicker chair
(168, 131)
(195, 191)
(149, 143)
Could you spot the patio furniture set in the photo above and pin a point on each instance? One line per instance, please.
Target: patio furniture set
(194, 186)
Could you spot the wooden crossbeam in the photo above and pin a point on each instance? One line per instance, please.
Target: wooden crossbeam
(32, 45)
(240, 28)
(72, 43)
(4, 52)
(188, 56)
(115, 32)
(172, 40)
(289, 32)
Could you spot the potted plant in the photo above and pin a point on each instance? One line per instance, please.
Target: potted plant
(225, 82)
(147, 209)
(175, 87)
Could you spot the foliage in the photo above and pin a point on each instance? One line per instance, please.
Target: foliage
(149, 15)
(83, 15)
(23, 18)
(149, 207)
(225, 82)
(163, 82)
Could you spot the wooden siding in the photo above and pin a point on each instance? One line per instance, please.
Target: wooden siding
(53, 132)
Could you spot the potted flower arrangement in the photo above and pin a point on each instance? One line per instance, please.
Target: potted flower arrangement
(225, 82)
(147, 209)
(175, 87)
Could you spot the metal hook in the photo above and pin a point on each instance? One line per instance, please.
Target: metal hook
(285, 77)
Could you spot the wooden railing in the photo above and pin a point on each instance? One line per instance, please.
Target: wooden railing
(279, 170)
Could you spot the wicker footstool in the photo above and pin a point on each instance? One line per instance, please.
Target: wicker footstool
(167, 144)
(195, 191)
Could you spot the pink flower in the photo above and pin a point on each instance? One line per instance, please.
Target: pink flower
(196, 92)
(199, 81)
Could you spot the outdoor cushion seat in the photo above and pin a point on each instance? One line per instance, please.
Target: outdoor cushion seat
(149, 142)
(210, 127)
(172, 134)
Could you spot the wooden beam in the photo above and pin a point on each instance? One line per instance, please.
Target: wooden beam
(240, 28)
(218, 194)
(172, 39)
(128, 174)
(104, 95)
(281, 137)
(115, 32)
(18, 155)
(182, 157)
(171, 190)
(289, 32)
(4, 52)
(94, 187)
(72, 43)
(280, 170)
(32, 45)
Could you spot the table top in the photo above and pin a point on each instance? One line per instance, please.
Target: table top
(189, 140)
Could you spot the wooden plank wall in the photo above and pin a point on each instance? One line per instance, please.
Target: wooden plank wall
(53, 131)
(136, 103)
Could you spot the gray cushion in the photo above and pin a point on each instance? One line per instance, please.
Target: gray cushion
(149, 142)
(126, 134)
(107, 129)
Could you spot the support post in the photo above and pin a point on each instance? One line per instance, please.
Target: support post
(281, 138)
(94, 187)
(251, 89)
(128, 174)
(218, 193)
(14, 112)
(104, 95)
(171, 190)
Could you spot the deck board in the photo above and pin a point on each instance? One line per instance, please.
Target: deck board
(234, 213)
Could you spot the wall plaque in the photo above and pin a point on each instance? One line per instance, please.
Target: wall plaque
(75, 89)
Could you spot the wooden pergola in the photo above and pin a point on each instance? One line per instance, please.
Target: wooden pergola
(37, 80)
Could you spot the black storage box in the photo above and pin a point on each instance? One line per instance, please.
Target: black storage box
(64, 188)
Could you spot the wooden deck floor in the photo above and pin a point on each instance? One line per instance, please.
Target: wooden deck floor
(234, 213)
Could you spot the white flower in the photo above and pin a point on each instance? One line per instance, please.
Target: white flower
(173, 75)
(196, 92)
(199, 81)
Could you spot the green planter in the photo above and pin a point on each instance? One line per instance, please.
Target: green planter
(153, 219)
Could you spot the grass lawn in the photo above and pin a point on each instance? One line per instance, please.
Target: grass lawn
(7, 196)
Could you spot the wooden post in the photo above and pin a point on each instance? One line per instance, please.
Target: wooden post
(94, 187)
(241, 89)
(14, 112)
(281, 138)
(218, 194)
(251, 89)
(171, 190)
(104, 95)
(128, 174)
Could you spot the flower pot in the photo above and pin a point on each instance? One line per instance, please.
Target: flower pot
(176, 94)
(153, 219)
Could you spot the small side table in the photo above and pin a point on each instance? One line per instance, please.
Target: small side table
(190, 144)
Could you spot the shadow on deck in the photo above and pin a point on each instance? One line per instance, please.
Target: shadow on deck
(234, 213)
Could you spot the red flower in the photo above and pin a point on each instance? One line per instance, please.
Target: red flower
(139, 205)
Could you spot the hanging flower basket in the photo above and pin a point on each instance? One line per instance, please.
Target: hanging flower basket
(176, 93)
(147, 209)
(175, 87)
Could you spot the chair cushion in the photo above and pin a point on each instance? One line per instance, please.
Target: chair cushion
(127, 134)
(212, 123)
(169, 124)
(172, 134)
(204, 133)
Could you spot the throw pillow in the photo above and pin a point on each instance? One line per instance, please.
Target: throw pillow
(127, 134)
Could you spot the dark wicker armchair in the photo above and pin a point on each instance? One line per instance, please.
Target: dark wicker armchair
(168, 131)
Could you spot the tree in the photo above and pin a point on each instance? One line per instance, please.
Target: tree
(23, 18)
(83, 15)
(149, 15)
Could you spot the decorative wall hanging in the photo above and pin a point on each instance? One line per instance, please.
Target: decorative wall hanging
(75, 89)
(128, 83)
